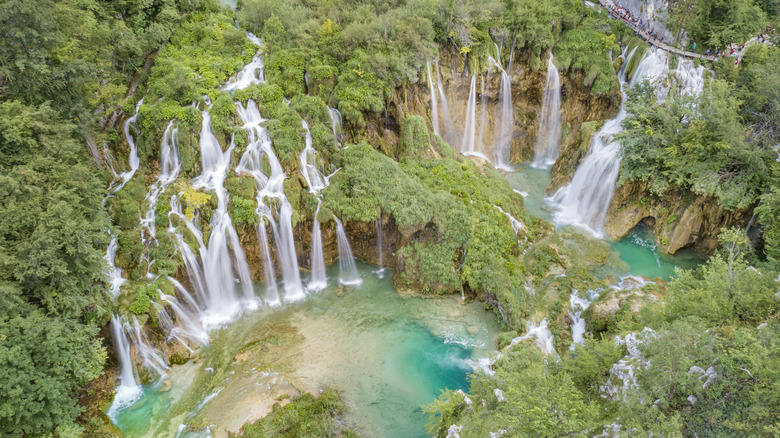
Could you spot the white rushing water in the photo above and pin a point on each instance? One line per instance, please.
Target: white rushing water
(134, 160)
(505, 125)
(223, 260)
(540, 333)
(434, 104)
(252, 73)
(348, 274)
(468, 141)
(170, 167)
(445, 126)
(128, 391)
(584, 202)
(336, 124)
(319, 280)
(548, 138)
(259, 160)
(578, 305)
(114, 273)
(380, 246)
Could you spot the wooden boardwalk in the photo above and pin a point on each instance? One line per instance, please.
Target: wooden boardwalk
(607, 4)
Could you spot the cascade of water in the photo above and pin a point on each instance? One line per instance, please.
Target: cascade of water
(170, 166)
(114, 273)
(219, 268)
(506, 126)
(335, 120)
(271, 291)
(549, 136)
(252, 73)
(483, 101)
(544, 339)
(318, 279)
(446, 130)
(309, 168)
(434, 104)
(128, 391)
(135, 161)
(467, 144)
(380, 246)
(151, 357)
(584, 202)
(347, 271)
(578, 305)
(260, 161)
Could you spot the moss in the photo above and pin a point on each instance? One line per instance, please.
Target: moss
(414, 139)
(311, 107)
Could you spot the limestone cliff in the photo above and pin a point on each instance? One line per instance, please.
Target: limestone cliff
(679, 218)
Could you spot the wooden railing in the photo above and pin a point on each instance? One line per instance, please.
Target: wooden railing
(654, 41)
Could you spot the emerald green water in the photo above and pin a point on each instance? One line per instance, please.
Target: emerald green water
(388, 353)
(634, 254)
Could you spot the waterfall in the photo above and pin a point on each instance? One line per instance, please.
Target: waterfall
(467, 145)
(311, 173)
(505, 127)
(252, 73)
(219, 267)
(318, 279)
(271, 291)
(260, 161)
(170, 166)
(335, 120)
(114, 273)
(544, 339)
(445, 109)
(151, 357)
(483, 102)
(578, 305)
(434, 104)
(549, 136)
(348, 274)
(585, 201)
(135, 161)
(128, 391)
(379, 246)
(189, 327)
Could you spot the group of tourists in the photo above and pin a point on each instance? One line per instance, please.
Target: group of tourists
(633, 21)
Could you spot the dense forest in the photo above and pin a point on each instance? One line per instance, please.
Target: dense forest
(701, 357)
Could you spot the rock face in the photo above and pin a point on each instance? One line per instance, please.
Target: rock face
(679, 218)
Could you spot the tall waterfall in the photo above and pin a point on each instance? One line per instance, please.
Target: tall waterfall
(548, 138)
(446, 129)
(170, 166)
(318, 279)
(335, 120)
(483, 102)
(584, 202)
(135, 161)
(260, 161)
(434, 104)
(348, 274)
(468, 144)
(380, 246)
(310, 169)
(222, 259)
(128, 391)
(505, 123)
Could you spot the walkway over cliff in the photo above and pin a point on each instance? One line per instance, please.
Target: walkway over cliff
(609, 5)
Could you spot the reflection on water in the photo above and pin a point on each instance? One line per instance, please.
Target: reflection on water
(388, 353)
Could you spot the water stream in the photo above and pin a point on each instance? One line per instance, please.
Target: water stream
(548, 138)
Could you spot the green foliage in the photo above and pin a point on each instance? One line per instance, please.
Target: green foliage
(44, 359)
(721, 22)
(304, 416)
(143, 298)
(204, 50)
(53, 232)
(414, 139)
(586, 49)
(287, 134)
(242, 211)
(692, 142)
(536, 401)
